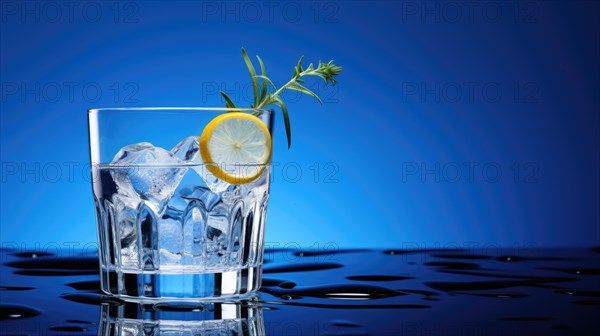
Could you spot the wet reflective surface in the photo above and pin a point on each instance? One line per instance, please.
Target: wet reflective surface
(345, 292)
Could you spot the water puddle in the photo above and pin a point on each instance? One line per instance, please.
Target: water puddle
(361, 293)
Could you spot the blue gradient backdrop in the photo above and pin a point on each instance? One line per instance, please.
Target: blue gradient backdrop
(454, 123)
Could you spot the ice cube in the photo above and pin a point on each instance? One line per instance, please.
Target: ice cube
(147, 171)
(176, 207)
(188, 150)
(126, 214)
(170, 241)
(217, 226)
(194, 220)
(229, 197)
(215, 184)
(218, 219)
(203, 194)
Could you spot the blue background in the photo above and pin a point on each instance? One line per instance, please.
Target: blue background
(435, 100)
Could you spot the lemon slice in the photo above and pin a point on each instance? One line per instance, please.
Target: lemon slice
(235, 147)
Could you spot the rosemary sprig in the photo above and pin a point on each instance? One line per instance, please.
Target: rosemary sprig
(264, 97)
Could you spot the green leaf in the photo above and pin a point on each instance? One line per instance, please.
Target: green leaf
(252, 75)
(228, 102)
(266, 81)
(286, 119)
(300, 88)
(318, 74)
(263, 70)
(298, 68)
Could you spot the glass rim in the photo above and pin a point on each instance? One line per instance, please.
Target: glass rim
(174, 109)
(177, 165)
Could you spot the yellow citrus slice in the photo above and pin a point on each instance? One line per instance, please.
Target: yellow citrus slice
(235, 147)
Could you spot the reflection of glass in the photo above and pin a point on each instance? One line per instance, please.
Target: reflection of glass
(167, 227)
(213, 318)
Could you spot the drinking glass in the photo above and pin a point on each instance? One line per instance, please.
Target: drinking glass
(168, 229)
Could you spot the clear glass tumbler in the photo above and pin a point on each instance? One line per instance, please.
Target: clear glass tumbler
(168, 229)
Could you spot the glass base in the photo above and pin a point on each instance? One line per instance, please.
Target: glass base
(180, 286)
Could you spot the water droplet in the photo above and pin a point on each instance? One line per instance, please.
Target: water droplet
(482, 285)
(377, 278)
(287, 285)
(527, 318)
(327, 252)
(519, 259)
(586, 302)
(69, 329)
(419, 291)
(85, 285)
(55, 266)
(462, 256)
(499, 295)
(58, 263)
(576, 271)
(80, 322)
(452, 265)
(340, 292)
(14, 311)
(345, 323)
(32, 254)
(269, 308)
(530, 278)
(345, 333)
(278, 283)
(336, 305)
(58, 272)
(580, 293)
(420, 251)
(301, 267)
(15, 288)
(91, 299)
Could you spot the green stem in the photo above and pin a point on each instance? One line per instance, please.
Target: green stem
(280, 90)
(268, 101)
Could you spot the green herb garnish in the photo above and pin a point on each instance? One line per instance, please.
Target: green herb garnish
(267, 93)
